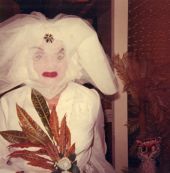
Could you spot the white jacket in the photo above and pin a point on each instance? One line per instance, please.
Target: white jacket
(84, 119)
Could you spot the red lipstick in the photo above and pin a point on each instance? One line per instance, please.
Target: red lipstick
(52, 74)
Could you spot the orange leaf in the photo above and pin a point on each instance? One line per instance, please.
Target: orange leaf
(65, 136)
(42, 165)
(41, 151)
(28, 155)
(33, 159)
(24, 145)
(54, 124)
(52, 151)
(71, 150)
(68, 137)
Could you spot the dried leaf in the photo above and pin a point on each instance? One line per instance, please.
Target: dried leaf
(68, 137)
(33, 158)
(24, 145)
(42, 109)
(120, 66)
(52, 151)
(54, 124)
(28, 155)
(41, 151)
(42, 165)
(33, 131)
(65, 136)
(71, 150)
(48, 150)
(14, 136)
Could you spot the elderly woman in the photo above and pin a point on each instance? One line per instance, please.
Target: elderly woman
(54, 57)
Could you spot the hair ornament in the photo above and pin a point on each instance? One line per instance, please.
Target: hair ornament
(49, 38)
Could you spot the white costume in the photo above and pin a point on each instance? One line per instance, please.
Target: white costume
(86, 124)
(87, 62)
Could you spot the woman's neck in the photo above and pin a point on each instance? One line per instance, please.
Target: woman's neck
(53, 101)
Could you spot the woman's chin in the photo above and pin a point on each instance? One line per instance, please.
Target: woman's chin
(49, 81)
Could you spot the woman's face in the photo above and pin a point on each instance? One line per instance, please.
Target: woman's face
(49, 62)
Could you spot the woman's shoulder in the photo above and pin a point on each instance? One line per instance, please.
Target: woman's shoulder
(16, 93)
(12, 97)
(84, 92)
(86, 101)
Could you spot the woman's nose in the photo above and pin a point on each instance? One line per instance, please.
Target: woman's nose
(50, 62)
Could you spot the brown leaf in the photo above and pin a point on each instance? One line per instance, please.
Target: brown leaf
(120, 66)
(14, 136)
(65, 136)
(71, 150)
(33, 158)
(33, 131)
(54, 124)
(42, 165)
(41, 151)
(24, 145)
(42, 109)
(68, 137)
(27, 155)
(52, 151)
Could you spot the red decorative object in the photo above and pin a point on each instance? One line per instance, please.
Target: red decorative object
(56, 145)
(148, 151)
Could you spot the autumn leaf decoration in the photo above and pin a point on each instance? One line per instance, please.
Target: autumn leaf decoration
(54, 151)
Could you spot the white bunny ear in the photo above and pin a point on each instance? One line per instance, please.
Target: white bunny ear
(94, 61)
(80, 38)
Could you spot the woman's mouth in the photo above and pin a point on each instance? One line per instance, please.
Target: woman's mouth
(50, 74)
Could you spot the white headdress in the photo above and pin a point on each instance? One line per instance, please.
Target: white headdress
(87, 59)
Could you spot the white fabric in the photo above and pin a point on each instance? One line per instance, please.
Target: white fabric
(84, 118)
(86, 57)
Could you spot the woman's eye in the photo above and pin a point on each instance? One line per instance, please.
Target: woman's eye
(60, 56)
(37, 57)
